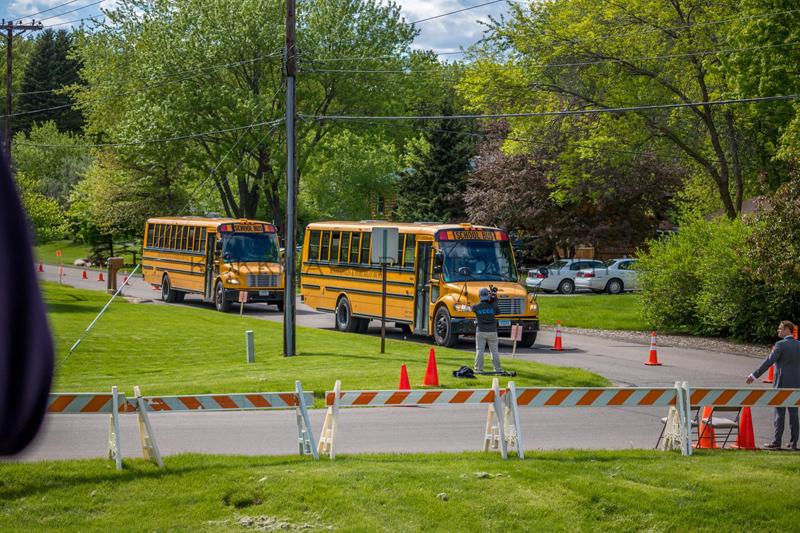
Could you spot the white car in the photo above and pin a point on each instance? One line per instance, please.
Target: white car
(614, 276)
(560, 275)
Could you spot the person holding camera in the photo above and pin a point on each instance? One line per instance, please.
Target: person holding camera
(486, 312)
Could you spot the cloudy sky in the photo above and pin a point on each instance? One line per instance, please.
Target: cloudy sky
(442, 34)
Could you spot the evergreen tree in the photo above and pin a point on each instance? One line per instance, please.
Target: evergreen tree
(49, 67)
(433, 189)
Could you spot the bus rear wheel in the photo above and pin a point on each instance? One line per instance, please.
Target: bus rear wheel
(220, 302)
(443, 328)
(167, 293)
(345, 321)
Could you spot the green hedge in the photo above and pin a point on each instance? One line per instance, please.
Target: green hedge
(710, 277)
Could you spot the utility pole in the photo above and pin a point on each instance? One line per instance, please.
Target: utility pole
(10, 28)
(289, 315)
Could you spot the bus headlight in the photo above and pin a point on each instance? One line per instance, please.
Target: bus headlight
(532, 303)
(463, 308)
(232, 280)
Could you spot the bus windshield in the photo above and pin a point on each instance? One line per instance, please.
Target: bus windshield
(478, 261)
(250, 247)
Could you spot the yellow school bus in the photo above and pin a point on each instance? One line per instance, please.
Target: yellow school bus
(215, 258)
(439, 272)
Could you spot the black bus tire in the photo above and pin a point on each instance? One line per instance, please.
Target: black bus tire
(443, 328)
(345, 321)
(167, 293)
(222, 305)
(528, 339)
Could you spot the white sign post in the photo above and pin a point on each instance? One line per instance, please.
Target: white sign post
(516, 335)
(384, 251)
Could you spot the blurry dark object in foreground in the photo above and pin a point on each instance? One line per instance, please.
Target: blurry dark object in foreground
(26, 348)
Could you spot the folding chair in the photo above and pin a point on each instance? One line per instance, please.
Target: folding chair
(716, 422)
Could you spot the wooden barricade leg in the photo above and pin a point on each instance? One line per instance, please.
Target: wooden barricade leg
(687, 418)
(146, 436)
(305, 433)
(513, 408)
(327, 438)
(113, 430)
(495, 423)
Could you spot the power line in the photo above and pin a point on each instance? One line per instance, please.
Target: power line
(48, 9)
(72, 10)
(457, 11)
(375, 58)
(91, 19)
(566, 112)
(158, 140)
(574, 64)
(164, 80)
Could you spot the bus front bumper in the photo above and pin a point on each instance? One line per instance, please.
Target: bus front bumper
(256, 295)
(466, 326)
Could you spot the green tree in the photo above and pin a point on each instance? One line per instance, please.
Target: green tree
(55, 160)
(434, 185)
(165, 68)
(44, 213)
(22, 50)
(575, 54)
(49, 69)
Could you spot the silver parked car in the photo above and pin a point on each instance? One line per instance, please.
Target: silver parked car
(560, 275)
(613, 277)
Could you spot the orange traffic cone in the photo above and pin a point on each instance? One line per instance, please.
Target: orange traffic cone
(557, 343)
(404, 383)
(770, 376)
(41, 267)
(707, 437)
(431, 374)
(84, 276)
(653, 361)
(100, 276)
(746, 440)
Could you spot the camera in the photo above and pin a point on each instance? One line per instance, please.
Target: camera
(492, 294)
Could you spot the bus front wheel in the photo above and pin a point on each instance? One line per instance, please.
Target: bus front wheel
(528, 339)
(167, 294)
(280, 305)
(345, 321)
(443, 328)
(220, 302)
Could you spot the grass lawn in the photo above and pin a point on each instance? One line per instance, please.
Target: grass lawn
(595, 311)
(70, 251)
(549, 491)
(179, 350)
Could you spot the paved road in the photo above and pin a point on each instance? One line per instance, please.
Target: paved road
(418, 429)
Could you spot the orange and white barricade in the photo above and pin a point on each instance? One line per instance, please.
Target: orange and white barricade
(605, 397)
(298, 400)
(94, 403)
(498, 432)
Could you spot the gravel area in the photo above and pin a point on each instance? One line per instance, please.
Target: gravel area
(680, 341)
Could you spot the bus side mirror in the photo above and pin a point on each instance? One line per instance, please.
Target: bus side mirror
(218, 246)
(438, 261)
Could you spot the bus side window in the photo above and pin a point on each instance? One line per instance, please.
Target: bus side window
(187, 239)
(313, 245)
(408, 256)
(150, 235)
(173, 237)
(181, 238)
(344, 249)
(159, 235)
(354, 247)
(325, 250)
(366, 239)
(191, 238)
(202, 246)
(336, 238)
(400, 238)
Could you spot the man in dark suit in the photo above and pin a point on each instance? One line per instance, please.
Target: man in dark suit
(786, 358)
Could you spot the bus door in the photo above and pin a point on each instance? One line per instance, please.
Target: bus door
(422, 289)
(212, 267)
